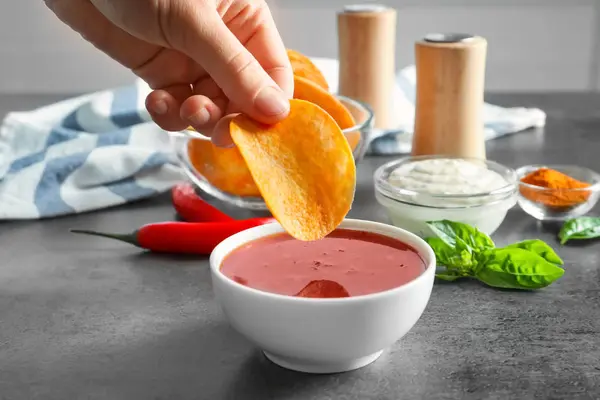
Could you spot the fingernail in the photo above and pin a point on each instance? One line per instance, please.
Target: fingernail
(159, 107)
(271, 101)
(226, 145)
(223, 141)
(200, 118)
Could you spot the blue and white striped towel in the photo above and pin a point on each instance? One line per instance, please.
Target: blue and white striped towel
(101, 149)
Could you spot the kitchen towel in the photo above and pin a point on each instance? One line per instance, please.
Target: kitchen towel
(82, 154)
(101, 149)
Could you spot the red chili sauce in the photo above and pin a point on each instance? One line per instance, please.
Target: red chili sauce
(345, 263)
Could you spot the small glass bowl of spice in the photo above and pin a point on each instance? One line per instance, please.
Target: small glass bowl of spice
(557, 192)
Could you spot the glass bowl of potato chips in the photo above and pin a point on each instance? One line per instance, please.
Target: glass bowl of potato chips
(223, 173)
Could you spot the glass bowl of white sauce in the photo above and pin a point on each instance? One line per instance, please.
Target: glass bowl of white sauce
(418, 189)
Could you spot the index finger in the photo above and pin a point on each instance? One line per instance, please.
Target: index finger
(268, 49)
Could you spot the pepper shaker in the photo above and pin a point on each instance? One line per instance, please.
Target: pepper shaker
(366, 46)
(449, 96)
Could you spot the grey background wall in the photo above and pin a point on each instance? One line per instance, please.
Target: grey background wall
(534, 45)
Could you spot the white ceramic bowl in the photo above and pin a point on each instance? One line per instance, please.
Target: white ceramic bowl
(323, 335)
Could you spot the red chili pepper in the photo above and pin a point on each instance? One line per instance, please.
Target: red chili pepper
(192, 208)
(182, 237)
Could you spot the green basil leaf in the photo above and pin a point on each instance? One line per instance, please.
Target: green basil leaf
(580, 228)
(447, 277)
(540, 248)
(459, 235)
(449, 256)
(449, 274)
(515, 268)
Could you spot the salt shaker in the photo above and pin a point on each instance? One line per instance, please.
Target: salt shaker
(366, 45)
(449, 96)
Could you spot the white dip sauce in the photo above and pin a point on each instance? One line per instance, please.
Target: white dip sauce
(446, 176)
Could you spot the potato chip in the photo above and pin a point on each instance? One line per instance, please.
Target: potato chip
(304, 67)
(224, 168)
(303, 167)
(304, 89)
(323, 288)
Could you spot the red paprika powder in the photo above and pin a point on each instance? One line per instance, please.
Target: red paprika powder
(560, 193)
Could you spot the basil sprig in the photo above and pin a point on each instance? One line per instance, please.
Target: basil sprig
(463, 251)
(580, 228)
(462, 235)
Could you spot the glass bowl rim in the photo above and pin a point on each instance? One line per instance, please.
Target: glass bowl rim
(595, 187)
(392, 192)
(193, 134)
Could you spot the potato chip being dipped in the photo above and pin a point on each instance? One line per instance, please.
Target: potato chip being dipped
(303, 167)
(304, 67)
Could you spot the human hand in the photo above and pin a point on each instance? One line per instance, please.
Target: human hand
(204, 59)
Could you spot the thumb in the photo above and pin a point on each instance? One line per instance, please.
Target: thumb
(238, 73)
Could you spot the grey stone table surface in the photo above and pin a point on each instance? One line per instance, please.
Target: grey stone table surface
(93, 319)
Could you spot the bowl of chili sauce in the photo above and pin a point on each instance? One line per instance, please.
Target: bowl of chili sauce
(324, 306)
